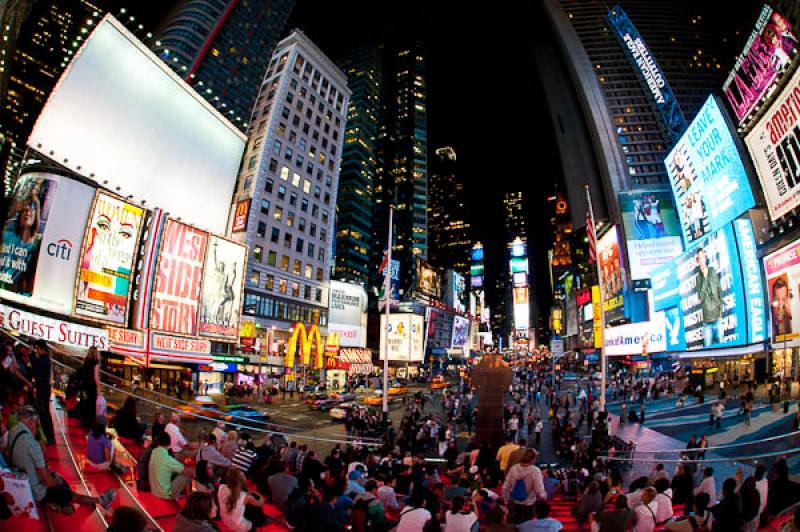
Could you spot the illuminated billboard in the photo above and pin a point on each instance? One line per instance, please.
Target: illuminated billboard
(427, 279)
(707, 175)
(766, 57)
(639, 338)
(107, 259)
(406, 337)
(612, 275)
(122, 117)
(652, 231)
(456, 292)
(460, 332)
(41, 239)
(782, 270)
(522, 313)
(650, 75)
(713, 296)
(347, 313)
(179, 274)
(223, 283)
(774, 145)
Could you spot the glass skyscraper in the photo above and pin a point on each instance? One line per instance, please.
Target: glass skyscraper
(223, 47)
(354, 226)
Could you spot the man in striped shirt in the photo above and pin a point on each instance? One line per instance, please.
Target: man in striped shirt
(243, 457)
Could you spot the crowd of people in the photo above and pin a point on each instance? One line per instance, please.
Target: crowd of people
(428, 474)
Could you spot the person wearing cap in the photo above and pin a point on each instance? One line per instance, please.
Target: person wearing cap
(47, 487)
(355, 482)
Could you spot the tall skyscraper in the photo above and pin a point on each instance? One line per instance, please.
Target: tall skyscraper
(286, 191)
(514, 211)
(608, 126)
(448, 227)
(39, 39)
(402, 178)
(222, 48)
(359, 163)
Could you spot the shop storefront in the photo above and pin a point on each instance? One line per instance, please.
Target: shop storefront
(167, 364)
(349, 362)
(213, 376)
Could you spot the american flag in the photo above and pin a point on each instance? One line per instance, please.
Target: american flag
(590, 234)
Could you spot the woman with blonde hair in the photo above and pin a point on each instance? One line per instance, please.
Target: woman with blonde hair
(240, 511)
(231, 445)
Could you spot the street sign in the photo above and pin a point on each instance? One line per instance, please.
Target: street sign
(557, 347)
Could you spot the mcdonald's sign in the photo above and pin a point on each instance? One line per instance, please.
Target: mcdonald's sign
(240, 216)
(307, 338)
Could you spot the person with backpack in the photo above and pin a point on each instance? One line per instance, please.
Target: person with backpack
(415, 516)
(523, 485)
(645, 512)
(368, 513)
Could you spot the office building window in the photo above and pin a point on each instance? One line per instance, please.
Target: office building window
(287, 240)
(281, 192)
(272, 258)
(297, 267)
(310, 250)
(268, 185)
(309, 271)
(293, 199)
(276, 235)
(304, 205)
(265, 206)
(261, 231)
(284, 263)
(278, 214)
(319, 274)
(254, 279)
(285, 173)
(282, 283)
(258, 251)
(270, 282)
(301, 224)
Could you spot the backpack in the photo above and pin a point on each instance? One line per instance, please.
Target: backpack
(359, 516)
(519, 492)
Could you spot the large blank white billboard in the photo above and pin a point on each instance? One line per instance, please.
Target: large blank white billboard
(120, 116)
(406, 335)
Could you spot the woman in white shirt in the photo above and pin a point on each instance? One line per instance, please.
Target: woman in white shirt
(461, 517)
(240, 511)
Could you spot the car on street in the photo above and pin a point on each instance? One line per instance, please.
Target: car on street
(202, 405)
(438, 383)
(332, 400)
(339, 411)
(237, 413)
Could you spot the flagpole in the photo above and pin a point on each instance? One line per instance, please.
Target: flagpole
(387, 302)
(603, 361)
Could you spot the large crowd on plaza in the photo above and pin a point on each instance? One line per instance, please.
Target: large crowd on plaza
(421, 476)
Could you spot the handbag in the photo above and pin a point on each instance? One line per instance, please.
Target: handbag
(16, 488)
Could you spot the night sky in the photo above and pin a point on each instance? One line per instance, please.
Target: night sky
(484, 96)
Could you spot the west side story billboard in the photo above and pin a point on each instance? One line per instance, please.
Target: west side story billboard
(650, 74)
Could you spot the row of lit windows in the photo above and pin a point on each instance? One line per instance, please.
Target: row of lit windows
(265, 306)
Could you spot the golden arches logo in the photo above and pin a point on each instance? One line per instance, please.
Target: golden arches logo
(307, 338)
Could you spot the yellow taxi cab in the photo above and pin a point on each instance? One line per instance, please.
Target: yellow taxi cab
(373, 400)
(438, 382)
(398, 390)
(201, 405)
